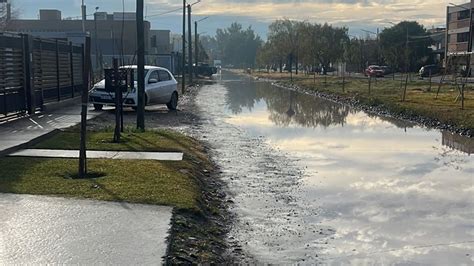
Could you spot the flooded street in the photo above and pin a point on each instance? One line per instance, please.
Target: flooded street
(314, 181)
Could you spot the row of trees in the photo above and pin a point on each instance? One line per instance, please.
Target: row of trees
(293, 43)
(304, 43)
(234, 45)
(403, 47)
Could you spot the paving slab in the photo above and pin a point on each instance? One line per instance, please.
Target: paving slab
(48, 230)
(23, 130)
(119, 155)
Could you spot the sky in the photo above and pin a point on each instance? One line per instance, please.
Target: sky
(357, 15)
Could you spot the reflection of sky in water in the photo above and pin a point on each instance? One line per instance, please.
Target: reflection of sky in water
(391, 193)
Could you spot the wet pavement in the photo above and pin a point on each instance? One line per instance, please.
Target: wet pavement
(314, 181)
(23, 130)
(114, 155)
(38, 230)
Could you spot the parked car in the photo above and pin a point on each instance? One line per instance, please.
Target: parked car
(160, 88)
(374, 71)
(425, 70)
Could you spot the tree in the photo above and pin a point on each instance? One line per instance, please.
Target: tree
(405, 45)
(237, 46)
(7, 12)
(313, 44)
(210, 47)
(330, 45)
(359, 53)
(284, 35)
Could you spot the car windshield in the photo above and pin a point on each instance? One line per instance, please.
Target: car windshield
(135, 71)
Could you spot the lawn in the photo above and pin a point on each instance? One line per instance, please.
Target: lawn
(138, 181)
(388, 93)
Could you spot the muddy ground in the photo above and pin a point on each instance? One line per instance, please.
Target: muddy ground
(194, 237)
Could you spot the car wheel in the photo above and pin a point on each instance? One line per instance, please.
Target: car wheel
(98, 107)
(173, 104)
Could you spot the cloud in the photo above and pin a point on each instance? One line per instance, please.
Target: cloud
(338, 12)
(355, 14)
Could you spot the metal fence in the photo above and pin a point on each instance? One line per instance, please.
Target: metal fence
(36, 71)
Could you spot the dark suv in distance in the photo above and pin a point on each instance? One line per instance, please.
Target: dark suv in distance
(425, 70)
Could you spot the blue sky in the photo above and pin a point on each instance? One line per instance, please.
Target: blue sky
(354, 14)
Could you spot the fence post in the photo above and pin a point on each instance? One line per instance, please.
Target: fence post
(28, 74)
(370, 83)
(71, 66)
(57, 71)
(405, 90)
(40, 71)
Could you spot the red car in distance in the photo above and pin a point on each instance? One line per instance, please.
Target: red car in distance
(374, 71)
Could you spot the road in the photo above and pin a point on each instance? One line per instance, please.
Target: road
(313, 181)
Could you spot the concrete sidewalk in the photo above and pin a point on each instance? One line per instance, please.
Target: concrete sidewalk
(16, 133)
(49, 230)
(114, 155)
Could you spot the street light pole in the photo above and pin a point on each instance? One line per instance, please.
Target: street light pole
(84, 17)
(190, 47)
(96, 40)
(196, 48)
(183, 59)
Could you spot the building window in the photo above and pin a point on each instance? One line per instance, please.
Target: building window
(463, 14)
(153, 41)
(463, 37)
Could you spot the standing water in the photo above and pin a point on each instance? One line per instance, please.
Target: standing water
(314, 181)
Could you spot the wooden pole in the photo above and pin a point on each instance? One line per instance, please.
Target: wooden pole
(118, 92)
(405, 90)
(140, 67)
(85, 98)
(429, 89)
(370, 83)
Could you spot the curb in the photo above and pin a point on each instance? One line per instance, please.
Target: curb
(29, 143)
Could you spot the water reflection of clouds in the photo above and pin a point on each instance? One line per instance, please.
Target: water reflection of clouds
(389, 188)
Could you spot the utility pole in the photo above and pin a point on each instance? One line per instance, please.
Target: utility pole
(84, 17)
(196, 44)
(140, 67)
(183, 61)
(96, 41)
(190, 47)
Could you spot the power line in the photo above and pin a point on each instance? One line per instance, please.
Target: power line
(163, 13)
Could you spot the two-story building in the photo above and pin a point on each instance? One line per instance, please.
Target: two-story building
(459, 35)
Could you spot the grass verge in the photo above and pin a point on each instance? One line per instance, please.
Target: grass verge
(387, 94)
(191, 186)
(136, 181)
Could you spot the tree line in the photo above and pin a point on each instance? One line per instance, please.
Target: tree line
(293, 45)
(404, 47)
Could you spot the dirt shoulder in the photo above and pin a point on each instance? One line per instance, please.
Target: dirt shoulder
(421, 105)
